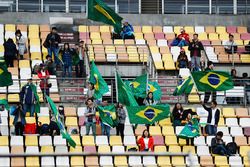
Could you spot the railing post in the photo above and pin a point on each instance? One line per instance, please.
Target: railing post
(17, 3)
(139, 7)
(186, 6)
(116, 6)
(67, 6)
(42, 6)
(162, 7)
(210, 6)
(235, 6)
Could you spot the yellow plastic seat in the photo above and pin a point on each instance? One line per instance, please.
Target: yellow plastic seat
(70, 111)
(221, 29)
(76, 161)
(96, 41)
(33, 27)
(244, 150)
(224, 36)
(10, 27)
(171, 140)
(202, 36)
(165, 122)
(1, 48)
(44, 120)
(178, 161)
(77, 140)
(71, 121)
(146, 29)
(83, 28)
(177, 29)
(88, 141)
(32, 162)
(138, 35)
(193, 98)
(164, 161)
(120, 161)
(35, 42)
(33, 34)
(228, 112)
(154, 49)
(77, 149)
(24, 64)
(174, 149)
(169, 65)
(47, 149)
(220, 160)
(182, 142)
(13, 98)
(118, 42)
(239, 42)
(246, 161)
(31, 140)
(168, 131)
(30, 120)
(103, 149)
(155, 130)
(221, 122)
(189, 29)
(4, 141)
(187, 149)
(213, 36)
(95, 35)
(36, 56)
(115, 141)
(104, 29)
(159, 65)
(160, 149)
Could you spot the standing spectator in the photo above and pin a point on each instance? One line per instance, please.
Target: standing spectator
(28, 98)
(213, 118)
(246, 83)
(149, 100)
(19, 120)
(146, 142)
(195, 48)
(44, 80)
(210, 67)
(182, 39)
(50, 66)
(127, 31)
(177, 114)
(121, 114)
(105, 127)
(182, 60)
(90, 120)
(21, 43)
(218, 145)
(10, 52)
(51, 43)
(80, 63)
(230, 46)
(203, 63)
(91, 90)
(67, 61)
(235, 77)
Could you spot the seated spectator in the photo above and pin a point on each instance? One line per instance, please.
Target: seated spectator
(50, 66)
(149, 100)
(146, 142)
(218, 145)
(235, 77)
(182, 60)
(230, 46)
(10, 52)
(43, 129)
(54, 129)
(182, 39)
(127, 31)
(177, 114)
(19, 119)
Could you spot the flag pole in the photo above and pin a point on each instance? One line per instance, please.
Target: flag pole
(116, 86)
(87, 9)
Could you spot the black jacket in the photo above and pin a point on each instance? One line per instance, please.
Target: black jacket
(195, 46)
(209, 118)
(10, 50)
(53, 38)
(214, 143)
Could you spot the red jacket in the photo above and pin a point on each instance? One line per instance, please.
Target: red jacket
(184, 35)
(44, 79)
(141, 144)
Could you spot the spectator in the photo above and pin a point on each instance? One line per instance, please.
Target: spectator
(28, 98)
(36, 68)
(182, 39)
(61, 113)
(121, 114)
(230, 46)
(21, 43)
(80, 57)
(91, 90)
(19, 120)
(50, 66)
(105, 127)
(246, 83)
(43, 129)
(44, 80)
(177, 114)
(235, 77)
(195, 48)
(203, 63)
(53, 127)
(182, 60)
(51, 43)
(10, 52)
(213, 118)
(210, 67)
(67, 55)
(146, 142)
(127, 31)
(218, 145)
(149, 100)
(90, 120)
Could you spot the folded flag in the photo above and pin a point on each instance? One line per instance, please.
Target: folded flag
(60, 124)
(125, 94)
(37, 105)
(138, 85)
(148, 114)
(5, 76)
(185, 87)
(99, 83)
(99, 11)
(5, 103)
(108, 115)
(212, 80)
(190, 130)
(155, 89)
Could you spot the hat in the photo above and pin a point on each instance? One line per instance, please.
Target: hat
(209, 63)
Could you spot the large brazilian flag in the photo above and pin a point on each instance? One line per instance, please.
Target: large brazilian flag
(190, 130)
(212, 80)
(108, 115)
(138, 85)
(185, 87)
(148, 114)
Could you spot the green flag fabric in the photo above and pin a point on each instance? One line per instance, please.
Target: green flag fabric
(125, 94)
(37, 105)
(155, 89)
(212, 80)
(5, 103)
(190, 130)
(100, 85)
(148, 114)
(59, 123)
(108, 115)
(99, 11)
(138, 85)
(5, 76)
(185, 87)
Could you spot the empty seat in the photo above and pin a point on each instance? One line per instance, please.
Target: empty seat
(199, 141)
(59, 141)
(236, 131)
(155, 130)
(101, 140)
(203, 150)
(220, 160)
(134, 160)
(148, 160)
(62, 161)
(206, 161)
(192, 160)
(16, 141)
(244, 122)
(129, 140)
(115, 141)
(31, 141)
(235, 161)
(231, 122)
(228, 112)
(106, 161)
(88, 141)
(45, 141)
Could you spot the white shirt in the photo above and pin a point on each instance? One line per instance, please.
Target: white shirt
(146, 142)
(228, 44)
(80, 54)
(213, 116)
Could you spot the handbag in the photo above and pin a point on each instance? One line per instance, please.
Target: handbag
(30, 128)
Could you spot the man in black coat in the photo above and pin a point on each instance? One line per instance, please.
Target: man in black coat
(10, 52)
(218, 145)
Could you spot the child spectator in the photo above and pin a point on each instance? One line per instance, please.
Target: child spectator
(182, 60)
(44, 80)
(67, 61)
(50, 66)
(21, 43)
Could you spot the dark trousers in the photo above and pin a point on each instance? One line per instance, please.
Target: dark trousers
(19, 127)
(211, 130)
(54, 130)
(9, 62)
(120, 130)
(80, 69)
(207, 96)
(220, 149)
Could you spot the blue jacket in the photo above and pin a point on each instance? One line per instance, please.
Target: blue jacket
(127, 30)
(16, 115)
(27, 96)
(67, 58)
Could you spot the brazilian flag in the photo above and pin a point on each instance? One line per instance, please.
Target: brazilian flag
(155, 89)
(59, 123)
(138, 85)
(190, 130)
(5, 103)
(212, 80)
(5, 76)
(185, 87)
(148, 114)
(99, 11)
(99, 83)
(108, 115)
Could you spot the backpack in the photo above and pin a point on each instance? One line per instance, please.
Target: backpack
(231, 148)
